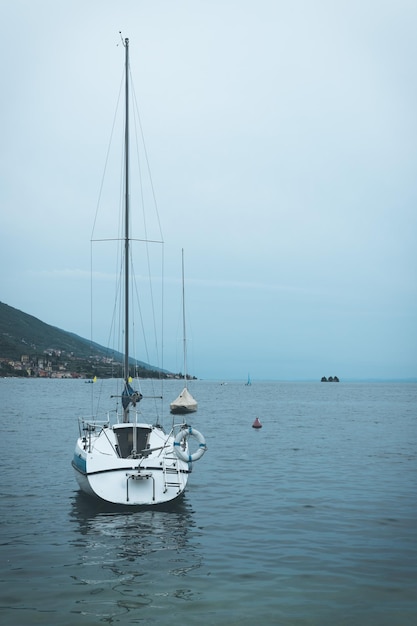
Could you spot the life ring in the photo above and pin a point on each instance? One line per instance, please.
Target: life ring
(184, 434)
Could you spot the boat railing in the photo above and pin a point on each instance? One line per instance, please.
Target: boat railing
(177, 427)
(92, 424)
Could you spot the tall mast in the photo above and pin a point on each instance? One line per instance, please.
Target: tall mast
(126, 361)
(183, 321)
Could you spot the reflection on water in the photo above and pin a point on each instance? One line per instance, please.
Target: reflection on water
(125, 554)
(84, 508)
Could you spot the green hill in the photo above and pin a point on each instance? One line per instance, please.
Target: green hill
(26, 340)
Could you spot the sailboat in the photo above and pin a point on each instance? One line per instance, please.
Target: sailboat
(249, 382)
(184, 403)
(125, 460)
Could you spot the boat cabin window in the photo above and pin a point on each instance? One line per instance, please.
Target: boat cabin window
(125, 440)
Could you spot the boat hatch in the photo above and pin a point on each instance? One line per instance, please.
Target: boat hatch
(125, 440)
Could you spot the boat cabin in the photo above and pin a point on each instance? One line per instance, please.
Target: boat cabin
(125, 435)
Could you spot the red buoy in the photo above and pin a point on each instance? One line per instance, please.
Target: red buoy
(256, 424)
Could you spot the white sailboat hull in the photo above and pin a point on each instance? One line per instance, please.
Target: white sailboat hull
(142, 479)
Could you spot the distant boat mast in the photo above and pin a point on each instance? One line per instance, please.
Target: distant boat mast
(184, 336)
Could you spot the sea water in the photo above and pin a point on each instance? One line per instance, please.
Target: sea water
(311, 520)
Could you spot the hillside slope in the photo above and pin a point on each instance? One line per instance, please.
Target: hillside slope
(22, 334)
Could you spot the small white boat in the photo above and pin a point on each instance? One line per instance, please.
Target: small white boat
(129, 460)
(184, 403)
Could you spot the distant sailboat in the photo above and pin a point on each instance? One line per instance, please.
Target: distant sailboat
(184, 403)
(249, 381)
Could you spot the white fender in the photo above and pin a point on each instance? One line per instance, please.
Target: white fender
(184, 434)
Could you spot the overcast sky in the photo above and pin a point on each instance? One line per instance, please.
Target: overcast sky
(282, 140)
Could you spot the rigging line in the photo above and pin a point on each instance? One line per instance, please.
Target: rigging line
(113, 338)
(137, 117)
(147, 354)
(136, 110)
(120, 263)
(152, 298)
(147, 242)
(107, 157)
(130, 239)
(98, 203)
(133, 312)
(141, 186)
(138, 301)
(92, 240)
(162, 313)
(97, 397)
(137, 122)
(91, 313)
